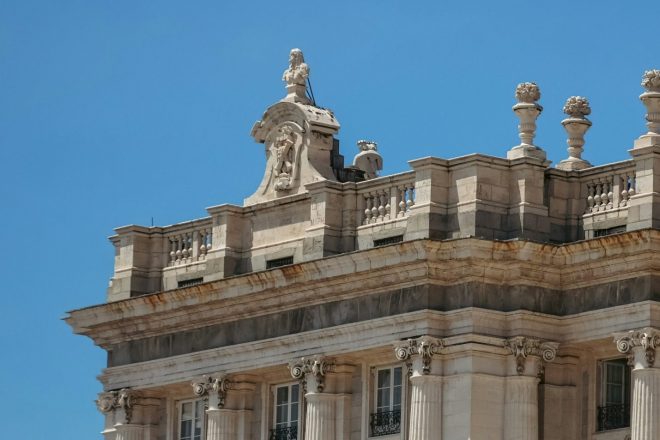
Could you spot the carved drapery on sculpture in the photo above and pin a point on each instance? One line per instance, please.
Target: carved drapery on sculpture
(368, 159)
(523, 348)
(123, 399)
(423, 347)
(312, 369)
(647, 340)
(213, 389)
(285, 147)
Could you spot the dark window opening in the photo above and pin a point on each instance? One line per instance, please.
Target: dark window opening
(271, 264)
(388, 240)
(190, 282)
(609, 231)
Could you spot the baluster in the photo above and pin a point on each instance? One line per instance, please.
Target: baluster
(367, 209)
(179, 246)
(402, 203)
(172, 251)
(202, 248)
(184, 248)
(388, 208)
(410, 201)
(603, 197)
(597, 197)
(590, 197)
(623, 201)
(632, 188)
(374, 206)
(610, 193)
(189, 239)
(381, 205)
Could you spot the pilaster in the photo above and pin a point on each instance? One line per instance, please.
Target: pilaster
(131, 414)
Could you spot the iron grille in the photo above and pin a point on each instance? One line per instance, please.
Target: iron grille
(388, 240)
(271, 264)
(284, 433)
(613, 417)
(385, 423)
(190, 282)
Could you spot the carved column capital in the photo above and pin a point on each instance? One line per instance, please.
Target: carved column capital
(639, 345)
(312, 371)
(214, 389)
(524, 348)
(422, 348)
(123, 400)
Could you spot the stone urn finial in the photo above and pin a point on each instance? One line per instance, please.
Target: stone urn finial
(576, 125)
(295, 78)
(651, 100)
(528, 110)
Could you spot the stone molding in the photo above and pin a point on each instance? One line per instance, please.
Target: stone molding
(646, 340)
(123, 399)
(312, 369)
(522, 348)
(213, 389)
(423, 347)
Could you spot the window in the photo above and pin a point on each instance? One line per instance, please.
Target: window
(387, 402)
(287, 404)
(272, 264)
(614, 412)
(191, 420)
(388, 240)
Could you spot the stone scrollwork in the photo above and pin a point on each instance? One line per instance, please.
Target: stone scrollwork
(522, 347)
(648, 339)
(316, 367)
(424, 347)
(216, 386)
(123, 399)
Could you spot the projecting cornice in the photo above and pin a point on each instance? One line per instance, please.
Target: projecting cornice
(517, 267)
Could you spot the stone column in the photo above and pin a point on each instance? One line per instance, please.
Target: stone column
(641, 347)
(426, 387)
(229, 406)
(521, 405)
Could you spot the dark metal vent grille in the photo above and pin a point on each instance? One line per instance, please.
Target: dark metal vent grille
(270, 264)
(609, 231)
(388, 240)
(190, 282)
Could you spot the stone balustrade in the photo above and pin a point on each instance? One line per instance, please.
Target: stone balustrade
(386, 198)
(190, 244)
(610, 189)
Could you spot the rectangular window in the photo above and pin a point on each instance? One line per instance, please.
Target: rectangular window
(386, 419)
(272, 264)
(287, 408)
(388, 240)
(191, 420)
(614, 411)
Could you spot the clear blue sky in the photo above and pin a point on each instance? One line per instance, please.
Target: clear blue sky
(114, 112)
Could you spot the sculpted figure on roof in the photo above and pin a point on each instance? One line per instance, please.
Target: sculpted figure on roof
(298, 71)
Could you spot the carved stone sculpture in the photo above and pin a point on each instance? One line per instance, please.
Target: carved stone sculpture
(651, 100)
(123, 400)
(368, 159)
(214, 389)
(576, 125)
(527, 110)
(285, 169)
(295, 78)
(423, 347)
(646, 340)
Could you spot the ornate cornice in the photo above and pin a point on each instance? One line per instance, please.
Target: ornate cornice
(522, 347)
(123, 399)
(648, 339)
(213, 386)
(316, 366)
(424, 346)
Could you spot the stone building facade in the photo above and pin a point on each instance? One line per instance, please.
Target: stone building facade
(470, 298)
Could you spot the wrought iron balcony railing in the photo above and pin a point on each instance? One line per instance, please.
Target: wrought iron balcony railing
(613, 417)
(385, 423)
(284, 433)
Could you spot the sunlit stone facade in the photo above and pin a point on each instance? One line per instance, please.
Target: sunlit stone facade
(470, 298)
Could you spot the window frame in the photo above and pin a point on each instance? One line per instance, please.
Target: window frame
(273, 420)
(179, 417)
(603, 400)
(373, 399)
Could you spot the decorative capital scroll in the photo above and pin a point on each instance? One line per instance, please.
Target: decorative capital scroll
(522, 347)
(314, 367)
(123, 399)
(215, 387)
(648, 339)
(424, 347)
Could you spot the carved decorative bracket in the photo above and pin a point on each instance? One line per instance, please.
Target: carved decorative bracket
(648, 339)
(316, 367)
(522, 347)
(424, 346)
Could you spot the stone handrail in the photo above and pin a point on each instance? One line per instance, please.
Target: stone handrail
(188, 242)
(611, 187)
(386, 198)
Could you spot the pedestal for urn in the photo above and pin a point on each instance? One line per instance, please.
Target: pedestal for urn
(527, 110)
(576, 125)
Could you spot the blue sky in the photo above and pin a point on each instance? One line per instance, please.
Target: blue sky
(117, 112)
